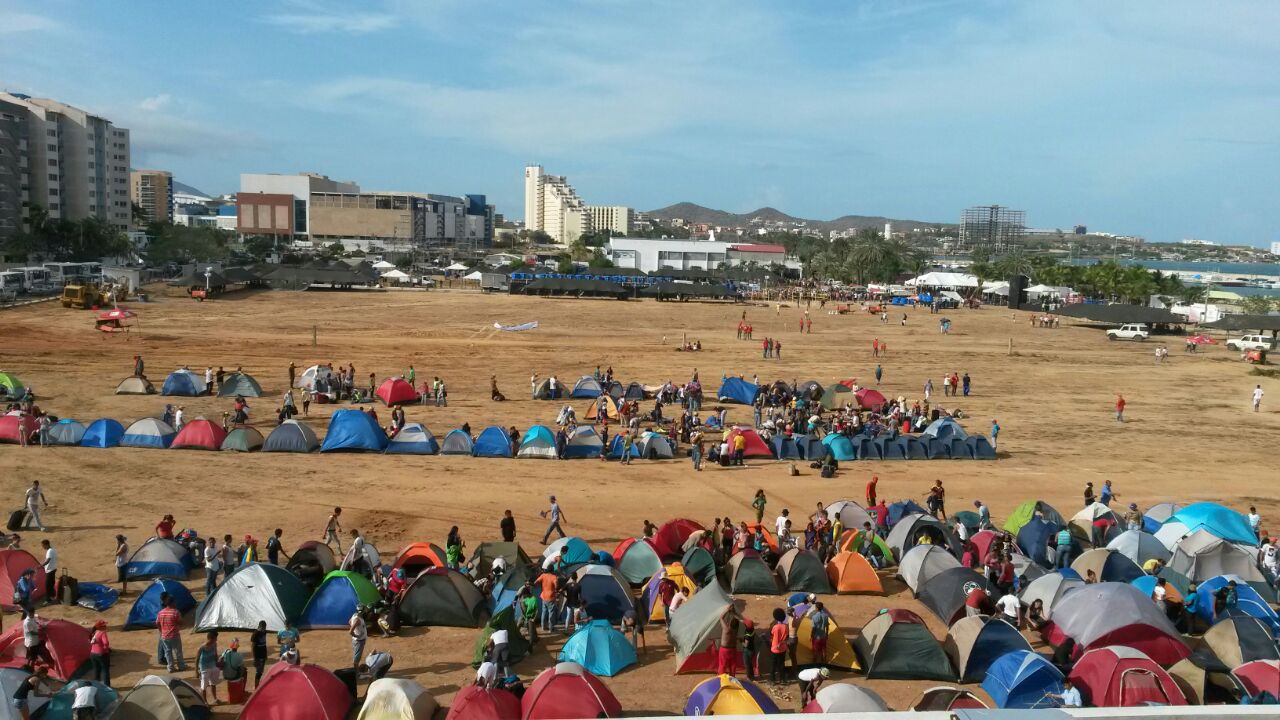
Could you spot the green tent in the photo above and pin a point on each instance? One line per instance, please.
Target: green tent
(968, 518)
(243, 439)
(239, 384)
(855, 541)
(836, 395)
(517, 645)
(1022, 515)
(12, 385)
(897, 645)
(803, 571)
(485, 553)
(699, 565)
(750, 574)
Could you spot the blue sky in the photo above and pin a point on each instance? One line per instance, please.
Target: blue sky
(1154, 118)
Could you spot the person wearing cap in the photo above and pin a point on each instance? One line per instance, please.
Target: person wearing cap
(233, 668)
(249, 553)
(556, 517)
(100, 653)
(1133, 518)
(810, 680)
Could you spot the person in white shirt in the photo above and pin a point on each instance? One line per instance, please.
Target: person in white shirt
(1160, 594)
(208, 380)
(501, 656)
(1257, 398)
(35, 500)
(1271, 558)
(487, 674)
(85, 704)
(677, 600)
(1070, 696)
(359, 634)
(1255, 521)
(50, 571)
(780, 524)
(179, 417)
(1011, 607)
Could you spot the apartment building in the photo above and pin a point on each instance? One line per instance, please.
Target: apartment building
(553, 206)
(617, 219)
(152, 190)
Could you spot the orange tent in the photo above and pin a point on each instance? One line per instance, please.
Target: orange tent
(612, 410)
(768, 535)
(849, 572)
(419, 556)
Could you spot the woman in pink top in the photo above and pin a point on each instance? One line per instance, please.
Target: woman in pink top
(100, 653)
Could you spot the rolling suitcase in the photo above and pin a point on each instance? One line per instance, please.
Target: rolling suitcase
(17, 519)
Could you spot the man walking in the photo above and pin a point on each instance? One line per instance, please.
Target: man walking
(1257, 398)
(556, 517)
(331, 529)
(169, 623)
(36, 500)
(1120, 403)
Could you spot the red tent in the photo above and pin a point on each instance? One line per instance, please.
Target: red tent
(670, 538)
(66, 646)
(869, 399)
(200, 434)
(12, 564)
(568, 691)
(1123, 677)
(755, 448)
(297, 692)
(475, 703)
(397, 391)
(1259, 675)
(10, 424)
(982, 540)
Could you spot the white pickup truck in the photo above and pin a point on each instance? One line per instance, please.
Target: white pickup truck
(1132, 331)
(1251, 342)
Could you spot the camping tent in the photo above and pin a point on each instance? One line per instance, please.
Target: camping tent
(852, 515)
(492, 442)
(243, 439)
(755, 447)
(1050, 588)
(575, 550)
(1022, 680)
(14, 562)
(903, 508)
(416, 557)
(1259, 676)
(183, 383)
(839, 653)
(298, 692)
(1139, 547)
(486, 552)
(1124, 677)
(1217, 519)
(1237, 639)
(945, 428)
(636, 560)
(309, 377)
(518, 646)
(66, 432)
(737, 390)
(353, 430)
(748, 573)
(442, 596)
(880, 554)
(1107, 566)
(396, 391)
(846, 698)
(696, 627)
(538, 442)
(785, 448)
(1202, 555)
(65, 643)
(947, 698)
(651, 598)
(973, 643)
(144, 610)
(908, 532)
(586, 387)
(473, 702)
(159, 557)
(59, 705)
(803, 571)
(945, 593)
(897, 645)
(397, 699)
(654, 446)
(584, 442)
(869, 399)
(1026, 512)
(157, 697)
(600, 648)
(603, 408)
(604, 590)
(457, 442)
(840, 447)
(148, 433)
(311, 562)
(567, 690)
(254, 593)
(1082, 523)
(413, 439)
(102, 433)
(922, 562)
(728, 695)
(836, 396)
(336, 600)
(1131, 620)
(239, 384)
(670, 537)
(199, 434)
(135, 386)
(1033, 537)
(1248, 600)
(699, 565)
(849, 572)
(291, 436)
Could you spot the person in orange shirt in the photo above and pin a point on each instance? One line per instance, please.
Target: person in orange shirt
(871, 490)
(778, 646)
(549, 584)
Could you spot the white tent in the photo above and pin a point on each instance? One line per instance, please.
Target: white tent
(395, 275)
(457, 267)
(383, 265)
(472, 276)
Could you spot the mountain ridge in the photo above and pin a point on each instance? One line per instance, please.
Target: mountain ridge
(696, 213)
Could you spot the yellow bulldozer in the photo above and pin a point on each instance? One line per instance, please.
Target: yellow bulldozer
(90, 294)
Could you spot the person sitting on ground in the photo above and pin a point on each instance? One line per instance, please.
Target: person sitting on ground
(494, 393)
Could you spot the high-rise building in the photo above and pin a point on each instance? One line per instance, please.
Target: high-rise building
(152, 190)
(70, 162)
(616, 219)
(992, 226)
(553, 206)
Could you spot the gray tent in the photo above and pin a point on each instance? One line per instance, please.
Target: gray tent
(456, 442)
(291, 436)
(253, 593)
(161, 697)
(66, 432)
(922, 562)
(135, 386)
(696, 626)
(239, 384)
(653, 446)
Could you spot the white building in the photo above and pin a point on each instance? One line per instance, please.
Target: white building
(553, 206)
(614, 218)
(1275, 248)
(651, 254)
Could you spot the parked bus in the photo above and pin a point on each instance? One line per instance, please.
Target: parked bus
(35, 280)
(62, 273)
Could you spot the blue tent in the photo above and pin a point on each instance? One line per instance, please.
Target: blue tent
(148, 433)
(892, 448)
(995, 639)
(1021, 679)
(604, 590)
(1248, 602)
(917, 448)
(810, 446)
(413, 439)
(600, 648)
(159, 557)
(144, 610)
(980, 447)
(584, 443)
(493, 442)
(1218, 520)
(936, 449)
(945, 428)
(615, 448)
(840, 446)
(183, 383)
(457, 442)
(538, 442)
(512, 582)
(866, 448)
(960, 449)
(784, 448)
(1033, 538)
(576, 550)
(587, 387)
(737, 390)
(336, 600)
(904, 507)
(355, 430)
(102, 433)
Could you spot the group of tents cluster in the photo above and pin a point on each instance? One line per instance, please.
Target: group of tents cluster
(186, 383)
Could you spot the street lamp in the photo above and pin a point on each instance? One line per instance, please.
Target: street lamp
(208, 273)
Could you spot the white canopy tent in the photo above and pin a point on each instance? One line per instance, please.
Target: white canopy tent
(396, 275)
(383, 265)
(457, 267)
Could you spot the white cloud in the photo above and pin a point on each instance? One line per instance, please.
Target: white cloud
(21, 22)
(310, 17)
(157, 102)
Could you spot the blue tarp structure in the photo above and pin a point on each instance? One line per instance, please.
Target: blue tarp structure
(980, 447)
(737, 390)
(492, 442)
(1033, 538)
(810, 446)
(840, 446)
(600, 648)
(102, 433)
(353, 430)
(158, 557)
(97, 596)
(903, 508)
(1217, 519)
(894, 448)
(144, 610)
(457, 442)
(1248, 601)
(183, 383)
(413, 439)
(1021, 679)
(865, 448)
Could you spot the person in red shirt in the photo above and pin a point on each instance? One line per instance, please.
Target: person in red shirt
(778, 646)
(164, 528)
(882, 518)
(871, 491)
(977, 602)
(1120, 407)
(169, 623)
(666, 593)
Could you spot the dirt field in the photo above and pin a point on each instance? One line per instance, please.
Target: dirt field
(1190, 436)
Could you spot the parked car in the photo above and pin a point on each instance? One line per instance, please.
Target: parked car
(1131, 331)
(1251, 342)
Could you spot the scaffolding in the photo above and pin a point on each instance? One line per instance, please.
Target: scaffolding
(993, 227)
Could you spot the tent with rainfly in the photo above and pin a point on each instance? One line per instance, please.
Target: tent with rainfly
(1259, 676)
(1025, 512)
(850, 572)
(670, 537)
(473, 702)
(911, 530)
(457, 442)
(636, 560)
(729, 695)
(803, 571)
(1051, 588)
(148, 433)
(243, 439)
(1022, 680)
(291, 436)
(59, 705)
(944, 594)
(14, 562)
(840, 447)
(66, 432)
(183, 383)
(896, 644)
(603, 408)
(699, 565)
(492, 442)
(922, 563)
(1217, 519)
(839, 653)
(600, 648)
(1131, 620)
(567, 690)
(199, 434)
(584, 442)
(413, 439)
(336, 600)
(102, 433)
(538, 442)
(604, 590)
(135, 385)
(254, 593)
(651, 597)
(1123, 677)
(1139, 547)
(397, 699)
(836, 395)
(737, 390)
(298, 692)
(353, 430)
(749, 574)
(1033, 537)
(846, 698)
(144, 610)
(239, 384)
(1107, 566)
(396, 391)
(159, 558)
(1248, 601)
(576, 551)
(1238, 638)
(973, 643)
(754, 446)
(442, 596)
(65, 643)
(695, 629)
(1202, 555)
(586, 387)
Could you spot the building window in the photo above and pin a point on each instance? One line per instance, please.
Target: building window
(51, 133)
(53, 177)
